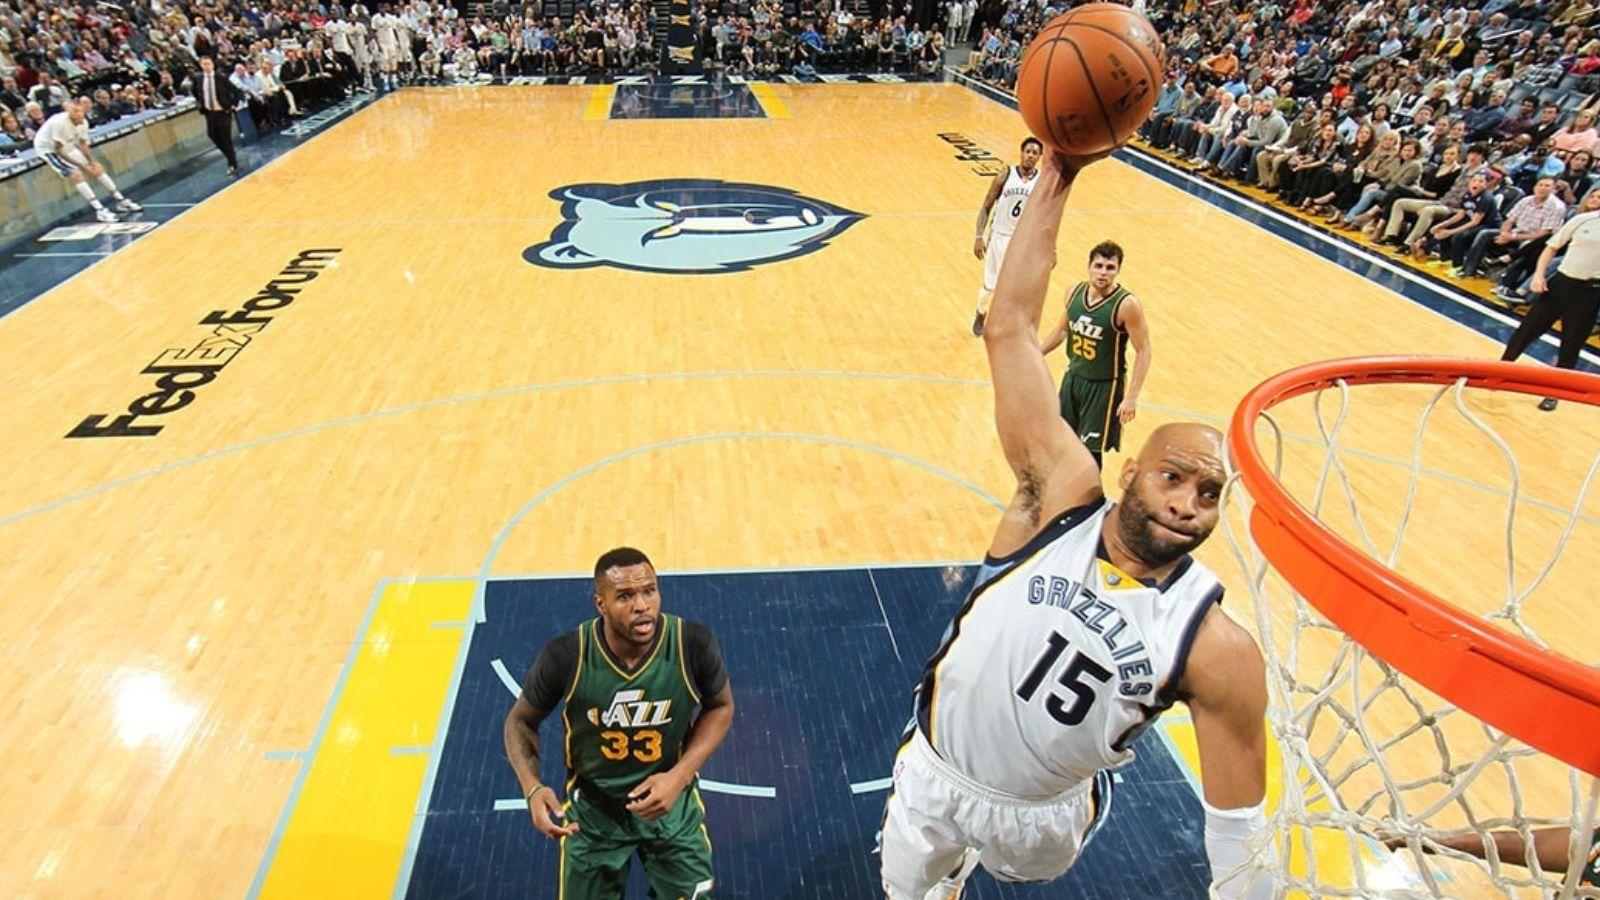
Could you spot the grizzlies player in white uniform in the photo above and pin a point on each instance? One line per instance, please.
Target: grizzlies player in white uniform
(1088, 620)
(1011, 192)
(63, 143)
(385, 26)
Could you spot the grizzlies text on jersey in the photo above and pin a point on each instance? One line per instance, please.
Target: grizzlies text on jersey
(1058, 661)
(1013, 200)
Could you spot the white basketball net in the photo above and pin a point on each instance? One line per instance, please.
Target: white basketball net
(1368, 754)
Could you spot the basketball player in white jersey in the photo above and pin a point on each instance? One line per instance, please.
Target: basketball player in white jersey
(63, 143)
(359, 50)
(384, 28)
(339, 32)
(1088, 619)
(1010, 191)
(404, 36)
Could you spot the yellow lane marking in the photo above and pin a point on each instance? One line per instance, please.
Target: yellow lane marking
(771, 102)
(349, 826)
(598, 109)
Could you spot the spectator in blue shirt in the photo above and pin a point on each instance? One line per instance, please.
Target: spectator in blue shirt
(1481, 123)
(1166, 106)
(1479, 211)
(1525, 169)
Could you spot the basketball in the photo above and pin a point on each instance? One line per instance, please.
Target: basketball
(1089, 78)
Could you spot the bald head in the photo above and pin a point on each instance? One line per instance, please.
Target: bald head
(1190, 439)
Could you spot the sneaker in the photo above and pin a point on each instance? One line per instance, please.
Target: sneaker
(977, 324)
(1548, 404)
(105, 215)
(126, 205)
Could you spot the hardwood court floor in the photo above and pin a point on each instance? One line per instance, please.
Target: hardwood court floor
(179, 607)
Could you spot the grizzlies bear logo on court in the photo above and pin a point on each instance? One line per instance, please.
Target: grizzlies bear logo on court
(686, 226)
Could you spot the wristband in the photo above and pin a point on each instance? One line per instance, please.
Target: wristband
(528, 797)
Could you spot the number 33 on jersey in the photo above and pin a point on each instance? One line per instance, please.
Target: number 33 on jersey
(623, 727)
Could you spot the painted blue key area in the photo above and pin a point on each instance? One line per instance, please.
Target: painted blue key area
(822, 677)
(660, 98)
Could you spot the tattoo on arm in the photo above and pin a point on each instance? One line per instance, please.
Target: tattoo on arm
(988, 202)
(524, 745)
(521, 735)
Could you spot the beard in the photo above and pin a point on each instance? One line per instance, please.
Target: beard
(1136, 526)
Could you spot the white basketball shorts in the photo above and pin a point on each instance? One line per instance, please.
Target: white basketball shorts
(993, 255)
(936, 813)
(66, 162)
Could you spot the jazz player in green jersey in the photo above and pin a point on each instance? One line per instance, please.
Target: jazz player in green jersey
(1101, 318)
(630, 680)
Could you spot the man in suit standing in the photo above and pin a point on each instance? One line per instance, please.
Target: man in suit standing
(217, 99)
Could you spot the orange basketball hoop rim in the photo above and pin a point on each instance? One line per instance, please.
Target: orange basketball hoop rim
(1548, 701)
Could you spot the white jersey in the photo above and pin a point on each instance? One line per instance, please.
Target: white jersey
(59, 133)
(358, 43)
(338, 36)
(1058, 661)
(383, 28)
(1013, 198)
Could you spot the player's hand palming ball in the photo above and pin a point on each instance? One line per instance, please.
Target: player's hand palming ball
(1090, 78)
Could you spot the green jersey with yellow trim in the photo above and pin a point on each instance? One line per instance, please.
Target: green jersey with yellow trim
(1096, 346)
(623, 727)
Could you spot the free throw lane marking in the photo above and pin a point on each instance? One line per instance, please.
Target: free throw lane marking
(598, 109)
(347, 827)
(771, 102)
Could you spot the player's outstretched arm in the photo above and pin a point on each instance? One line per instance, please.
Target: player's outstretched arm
(1054, 471)
(1550, 845)
(1225, 681)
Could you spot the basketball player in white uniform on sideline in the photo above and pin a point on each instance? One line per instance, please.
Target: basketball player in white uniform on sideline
(384, 26)
(63, 143)
(1011, 192)
(1087, 620)
(405, 34)
(338, 32)
(360, 51)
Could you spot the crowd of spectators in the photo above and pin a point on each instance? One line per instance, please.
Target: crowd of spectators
(286, 56)
(289, 56)
(815, 35)
(1461, 134)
